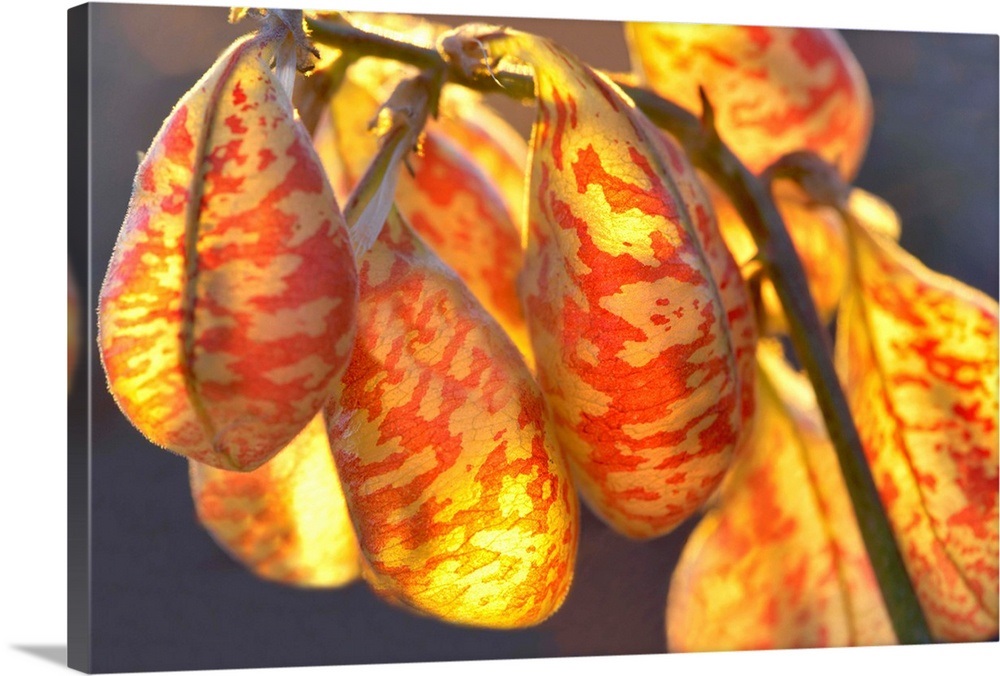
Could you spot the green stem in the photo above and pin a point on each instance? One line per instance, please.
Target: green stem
(783, 267)
(812, 346)
(362, 43)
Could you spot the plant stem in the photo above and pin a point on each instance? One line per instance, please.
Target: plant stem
(812, 346)
(782, 265)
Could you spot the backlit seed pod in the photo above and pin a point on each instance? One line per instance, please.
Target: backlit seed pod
(876, 214)
(779, 561)
(917, 353)
(461, 500)
(72, 325)
(228, 307)
(287, 520)
(774, 90)
(627, 321)
(447, 199)
(496, 147)
(725, 271)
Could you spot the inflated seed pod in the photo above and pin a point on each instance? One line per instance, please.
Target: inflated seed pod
(629, 326)
(722, 264)
(773, 90)
(496, 147)
(778, 561)
(447, 198)
(461, 500)
(917, 353)
(285, 521)
(228, 308)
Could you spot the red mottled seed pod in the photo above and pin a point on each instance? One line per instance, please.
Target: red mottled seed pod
(461, 500)
(773, 90)
(778, 562)
(917, 353)
(490, 141)
(631, 328)
(228, 308)
(285, 521)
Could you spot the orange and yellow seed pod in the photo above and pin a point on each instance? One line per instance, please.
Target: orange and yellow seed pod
(629, 326)
(773, 90)
(287, 520)
(496, 147)
(447, 199)
(724, 267)
(778, 562)
(917, 353)
(461, 500)
(228, 307)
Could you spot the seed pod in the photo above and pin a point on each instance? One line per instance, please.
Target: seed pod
(227, 311)
(285, 521)
(496, 147)
(725, 271)
(779, 561)
(630, 328)
(461, 501)
(773, 90)
(917, 353)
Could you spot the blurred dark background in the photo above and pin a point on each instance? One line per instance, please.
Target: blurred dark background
(165, 597)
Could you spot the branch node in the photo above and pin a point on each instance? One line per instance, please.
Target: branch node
(276, 23)
(819, 179)
(465, 51)
(708, 116)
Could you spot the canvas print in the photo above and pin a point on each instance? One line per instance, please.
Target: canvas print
(416, 338)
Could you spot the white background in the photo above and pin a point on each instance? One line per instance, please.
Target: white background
(32, 326)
